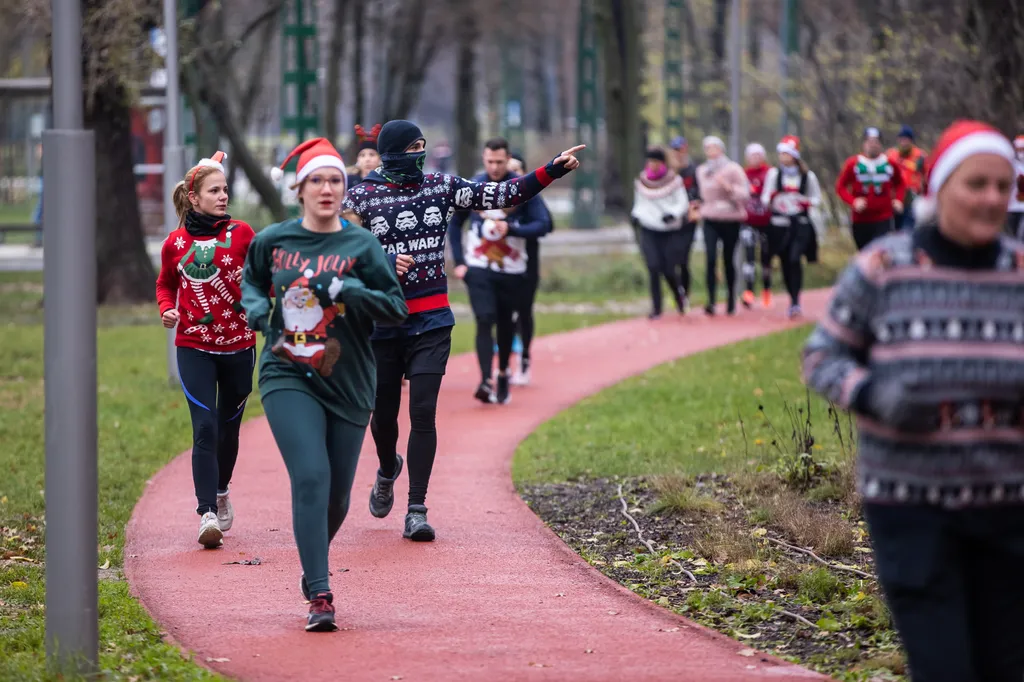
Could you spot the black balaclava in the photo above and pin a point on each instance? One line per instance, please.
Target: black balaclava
(397, 165)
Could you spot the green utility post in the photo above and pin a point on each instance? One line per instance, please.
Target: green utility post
(790, 35)
(587, 178)
(300, 57)
(512, 127)
(673, 69)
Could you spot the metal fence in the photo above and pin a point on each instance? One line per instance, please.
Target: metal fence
(23, 118)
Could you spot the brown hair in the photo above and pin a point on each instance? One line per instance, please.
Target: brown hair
(193, 181)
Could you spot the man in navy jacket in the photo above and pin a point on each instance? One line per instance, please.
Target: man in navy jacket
(493, 262)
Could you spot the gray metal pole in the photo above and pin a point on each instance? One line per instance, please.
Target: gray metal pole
(174, 152)
(69, 357)
(784, 65)
(735, 58)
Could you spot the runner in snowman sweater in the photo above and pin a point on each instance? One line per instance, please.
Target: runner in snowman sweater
(494, 264)
(409, 213)
(873, 187)
(198, 291)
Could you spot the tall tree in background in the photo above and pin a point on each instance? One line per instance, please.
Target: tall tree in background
(335, 60)
(467, 128)
(413, 42)
(997, 27)
(618, 28)
(112, 32)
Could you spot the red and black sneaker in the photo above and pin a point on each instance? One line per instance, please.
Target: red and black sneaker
(321, 613)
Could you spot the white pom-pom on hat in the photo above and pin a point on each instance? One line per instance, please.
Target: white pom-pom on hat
(276, 174)
(307, 273)
(924, 209)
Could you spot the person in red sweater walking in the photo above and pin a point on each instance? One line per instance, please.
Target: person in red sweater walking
(199, 290)
(754, 233)
(873, 187)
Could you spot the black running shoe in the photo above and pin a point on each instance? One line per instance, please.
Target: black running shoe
(321, 613)
(416, 526)
(484, 392)
(382, 497)
(502, 396)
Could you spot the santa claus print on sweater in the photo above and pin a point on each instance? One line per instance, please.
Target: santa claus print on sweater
(200, 276)
(305, 338)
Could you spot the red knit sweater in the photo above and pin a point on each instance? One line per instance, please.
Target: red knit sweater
(762, 217)
(201, 277)
(879, 189)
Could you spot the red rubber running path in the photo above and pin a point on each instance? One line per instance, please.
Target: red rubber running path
(497, 597)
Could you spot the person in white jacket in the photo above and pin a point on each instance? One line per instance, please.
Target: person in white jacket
(1015, 218)
(659, 206)
(791, 190)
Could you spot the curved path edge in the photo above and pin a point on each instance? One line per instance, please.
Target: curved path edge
(498, 596)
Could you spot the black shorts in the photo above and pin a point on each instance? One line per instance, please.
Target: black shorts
(425, 353)
(496, 295)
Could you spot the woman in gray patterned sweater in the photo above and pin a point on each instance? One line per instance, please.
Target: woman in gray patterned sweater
(924, 341)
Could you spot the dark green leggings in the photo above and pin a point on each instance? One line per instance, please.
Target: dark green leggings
(321, 452)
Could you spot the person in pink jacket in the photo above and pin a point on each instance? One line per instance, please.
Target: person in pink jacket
(724, 191)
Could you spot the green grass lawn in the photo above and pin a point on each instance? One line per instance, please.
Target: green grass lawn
(698, 414)
(143, 423)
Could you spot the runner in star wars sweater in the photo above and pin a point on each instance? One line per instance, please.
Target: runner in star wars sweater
(331, 283)
(198, 290)
(873, 187)
(494, 266)
(754, 233)
(409, 213)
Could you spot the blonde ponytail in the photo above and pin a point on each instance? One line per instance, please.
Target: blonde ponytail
(181, 202)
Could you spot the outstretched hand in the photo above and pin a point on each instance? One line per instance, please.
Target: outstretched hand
(568, 158)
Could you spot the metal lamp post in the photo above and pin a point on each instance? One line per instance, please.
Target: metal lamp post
(174, 151)
(69, 356)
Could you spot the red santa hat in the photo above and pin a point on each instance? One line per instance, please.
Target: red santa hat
(960, 141)
(313, 155)
(1018, 143)
(302, 282)
(789, 144)
(216, 161)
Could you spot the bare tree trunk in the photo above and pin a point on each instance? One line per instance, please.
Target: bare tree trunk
(618, 32)
(247, 105)
(124, 271)
(467, 129)
(718, 53)
(358, 88)
(336, 55)
(539, 65)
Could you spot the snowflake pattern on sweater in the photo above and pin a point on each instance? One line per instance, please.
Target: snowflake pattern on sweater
(200, 277)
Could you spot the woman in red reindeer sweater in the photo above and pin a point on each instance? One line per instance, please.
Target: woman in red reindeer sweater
(873, 187)
(199, 291)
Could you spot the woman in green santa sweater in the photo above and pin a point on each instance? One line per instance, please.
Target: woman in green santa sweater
(332, 282)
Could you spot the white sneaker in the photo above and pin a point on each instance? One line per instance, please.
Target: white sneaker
(210, 534)
(225, 512)
(521, 378)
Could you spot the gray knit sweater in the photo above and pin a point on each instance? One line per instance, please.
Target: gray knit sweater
(924, 341)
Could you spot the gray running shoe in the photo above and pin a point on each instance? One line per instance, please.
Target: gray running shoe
(382, 497)
(416, 526)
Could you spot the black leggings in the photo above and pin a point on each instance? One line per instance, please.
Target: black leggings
(792, 243)
(217, 387)
(865, 233)
(686, 235)
(661, 254)
(753, 238)
(524, 317)
(729, 234)
(422, 446)
(950, 578)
